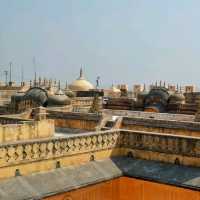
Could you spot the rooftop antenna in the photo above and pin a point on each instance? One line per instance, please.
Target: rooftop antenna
(81, 72)
(10, 74)
(22, 74)
(144, 89)
(97, 82)
(6, 76)
(177, 87)
(66, 86)
(35, 73)
(59, 87)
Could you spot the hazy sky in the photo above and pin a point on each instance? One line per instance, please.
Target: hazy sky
(122, 41)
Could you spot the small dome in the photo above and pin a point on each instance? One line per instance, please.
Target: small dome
(58, 100)
(69, 93)
(81, 84)
(177, 97)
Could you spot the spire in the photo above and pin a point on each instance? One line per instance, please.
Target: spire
(144, 88)
(81, 72)
(59, 85)
(66, 86)
(40, 81)
(177, 87)
(30, 83)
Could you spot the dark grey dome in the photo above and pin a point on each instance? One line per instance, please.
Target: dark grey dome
(159, 92)
(177, 97)
(38, 95)
(58, 99)
(157, 98)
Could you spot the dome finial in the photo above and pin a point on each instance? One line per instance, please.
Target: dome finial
(81, 72)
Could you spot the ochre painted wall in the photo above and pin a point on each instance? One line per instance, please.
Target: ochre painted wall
(129, 189)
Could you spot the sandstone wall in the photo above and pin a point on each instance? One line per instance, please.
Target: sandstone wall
(45, 154)
(26, 131)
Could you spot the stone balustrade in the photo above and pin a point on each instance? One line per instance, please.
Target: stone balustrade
(36, 150)
(161, 123)
(162, 143)
(52, 148)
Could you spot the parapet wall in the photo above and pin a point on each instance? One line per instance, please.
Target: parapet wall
(159, 116)
(161, 126)
(86, 121)
(47, 154)
(12, 120)
(26, 131)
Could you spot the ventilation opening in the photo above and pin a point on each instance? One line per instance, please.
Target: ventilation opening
(17, 172)
(177, 161)
(130, 154)
(92, 158)
(58, 165)
(45, 104)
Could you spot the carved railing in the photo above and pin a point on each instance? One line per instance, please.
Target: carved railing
(43, 149)
(57, 147)
(162, 143)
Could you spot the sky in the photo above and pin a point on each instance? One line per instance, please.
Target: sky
(122, 41)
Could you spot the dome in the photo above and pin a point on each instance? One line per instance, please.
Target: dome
(38, 95)
(81, 84)
(177, 98)
(156, 100)
(69, 93)
(59, 98)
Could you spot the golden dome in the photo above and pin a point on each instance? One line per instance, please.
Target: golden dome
(81, 84)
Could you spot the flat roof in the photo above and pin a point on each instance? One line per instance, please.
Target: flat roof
(44, 184)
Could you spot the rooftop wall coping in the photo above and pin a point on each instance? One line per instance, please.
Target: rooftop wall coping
(73, 115)
(162, 123)
(165, 116)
